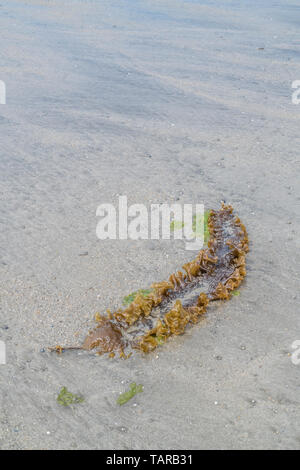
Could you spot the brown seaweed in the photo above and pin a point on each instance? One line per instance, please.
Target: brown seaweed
(172, 305)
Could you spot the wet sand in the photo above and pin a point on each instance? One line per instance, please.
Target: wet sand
(160, 101)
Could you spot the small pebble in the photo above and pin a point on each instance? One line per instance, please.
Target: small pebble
(122, 429)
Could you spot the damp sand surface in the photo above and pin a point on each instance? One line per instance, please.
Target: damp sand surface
(166, 101)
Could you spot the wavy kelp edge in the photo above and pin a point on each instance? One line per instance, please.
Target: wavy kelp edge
(221, 267)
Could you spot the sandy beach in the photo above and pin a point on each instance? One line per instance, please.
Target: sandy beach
(161, 101)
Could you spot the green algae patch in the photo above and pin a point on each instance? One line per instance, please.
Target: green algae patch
(176, 225)
(199, 225)
(66, 398)
(130, 298)
(160, 340)
(126, 396)
(236, 292)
